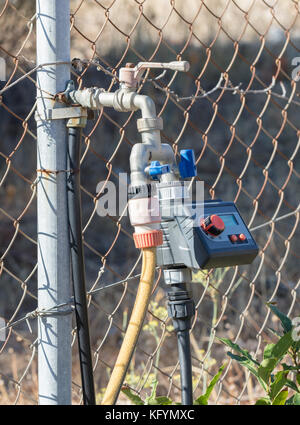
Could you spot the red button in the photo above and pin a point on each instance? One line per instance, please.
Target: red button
(213, 224)
(233, 238)
(217, 222)
(242, 237)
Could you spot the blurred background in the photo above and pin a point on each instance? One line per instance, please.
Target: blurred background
(238, 107)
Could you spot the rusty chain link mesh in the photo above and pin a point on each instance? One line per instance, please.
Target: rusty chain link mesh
(238, 108)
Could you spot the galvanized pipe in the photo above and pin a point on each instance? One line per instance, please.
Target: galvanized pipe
(54, 330)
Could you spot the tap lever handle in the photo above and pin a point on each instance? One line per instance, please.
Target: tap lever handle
(181, 66)
(156, 169)
(131, 75)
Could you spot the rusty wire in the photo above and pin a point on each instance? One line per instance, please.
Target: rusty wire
(240, 54)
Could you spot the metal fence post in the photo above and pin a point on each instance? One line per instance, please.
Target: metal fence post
(54, 338)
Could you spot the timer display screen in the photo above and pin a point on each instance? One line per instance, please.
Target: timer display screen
(228, 219)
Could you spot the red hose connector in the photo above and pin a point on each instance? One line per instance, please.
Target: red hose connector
(149, 239)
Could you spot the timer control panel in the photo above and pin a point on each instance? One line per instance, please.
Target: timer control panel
(219, 239)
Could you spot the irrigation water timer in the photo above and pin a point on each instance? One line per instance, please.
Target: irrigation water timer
(218, 237)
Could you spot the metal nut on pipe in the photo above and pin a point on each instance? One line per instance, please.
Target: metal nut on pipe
(147, 124)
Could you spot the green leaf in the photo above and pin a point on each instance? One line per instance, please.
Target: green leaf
(292, 385)
(279, 382)
(281, 398)
(161, 400)
(152, 397)
(266, 367)
(249, 365)
(274, 353)
(296, 346)
(288, 367)
(244, 361)
(281, 347)
(203, 399)
(289, 401)
(296, 399)
(237, 348)
(264, 401)
(285, 321)
(132, 397)
(268, 351)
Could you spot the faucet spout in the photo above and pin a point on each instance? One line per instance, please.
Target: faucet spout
(149, 125)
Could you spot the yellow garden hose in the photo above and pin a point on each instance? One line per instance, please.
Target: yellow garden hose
(134, 327)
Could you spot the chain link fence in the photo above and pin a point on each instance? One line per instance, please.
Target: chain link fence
(238, 108)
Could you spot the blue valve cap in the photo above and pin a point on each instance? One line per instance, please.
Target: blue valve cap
(156, 169)
(187, 164)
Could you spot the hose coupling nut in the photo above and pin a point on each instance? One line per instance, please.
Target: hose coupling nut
(149, 239)
(181, 309)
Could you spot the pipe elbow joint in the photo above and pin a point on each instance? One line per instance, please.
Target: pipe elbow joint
(126, 101)
(145, 104)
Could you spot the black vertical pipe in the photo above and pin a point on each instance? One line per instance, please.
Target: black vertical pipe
(185, 361)
(77, 264)
(181, 308)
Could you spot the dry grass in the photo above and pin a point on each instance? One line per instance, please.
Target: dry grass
(14, 364)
